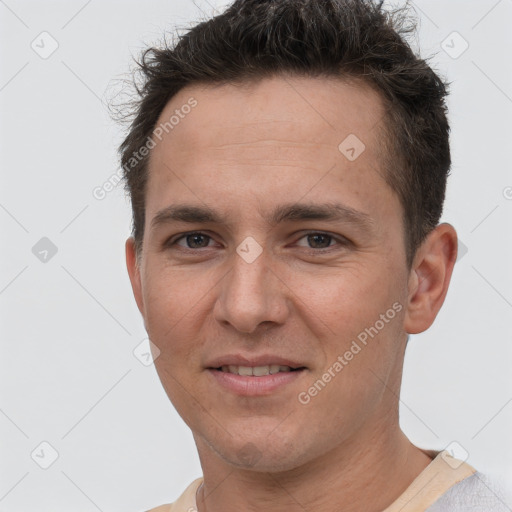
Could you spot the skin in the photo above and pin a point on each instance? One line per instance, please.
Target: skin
(243, 150)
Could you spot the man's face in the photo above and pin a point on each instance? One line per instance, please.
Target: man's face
(262, 160)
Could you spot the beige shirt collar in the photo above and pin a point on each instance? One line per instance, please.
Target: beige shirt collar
(442, 473)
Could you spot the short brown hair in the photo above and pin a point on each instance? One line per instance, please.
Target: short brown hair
(254, 39)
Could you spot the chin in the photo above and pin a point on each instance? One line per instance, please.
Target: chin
(259, 455)
(263, 462)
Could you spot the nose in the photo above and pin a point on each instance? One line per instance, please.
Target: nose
(251, 294)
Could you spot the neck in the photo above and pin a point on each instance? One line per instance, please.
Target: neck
(349, 478)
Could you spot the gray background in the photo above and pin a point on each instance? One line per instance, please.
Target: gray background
(69, 324)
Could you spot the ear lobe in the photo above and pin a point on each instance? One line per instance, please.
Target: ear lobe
(134, 273)
(430, 277)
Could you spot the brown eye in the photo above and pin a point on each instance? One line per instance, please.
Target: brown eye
(194, 241)
(316, 240)
(319, 241)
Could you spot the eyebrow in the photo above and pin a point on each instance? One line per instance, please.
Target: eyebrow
(292, 212)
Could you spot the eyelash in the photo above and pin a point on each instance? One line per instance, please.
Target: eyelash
(341, 241)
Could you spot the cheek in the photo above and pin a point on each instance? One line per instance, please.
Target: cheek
(173, 303)
(344, 300)
(360, 357)
(356, 315)
(173, 321)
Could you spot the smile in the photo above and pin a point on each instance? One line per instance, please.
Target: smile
(255, 381)
(256, 371)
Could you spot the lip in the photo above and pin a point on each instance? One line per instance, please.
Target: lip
(243, 360)
(254, 386)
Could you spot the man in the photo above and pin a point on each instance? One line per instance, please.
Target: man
(287, 168)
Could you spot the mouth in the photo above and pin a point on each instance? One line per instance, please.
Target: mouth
(256, 381)
(257, 371)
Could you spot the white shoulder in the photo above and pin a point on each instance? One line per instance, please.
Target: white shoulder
(475, 493)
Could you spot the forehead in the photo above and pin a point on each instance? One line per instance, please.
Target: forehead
(277, 135)
(321, 110)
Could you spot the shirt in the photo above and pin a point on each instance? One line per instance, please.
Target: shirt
(447, 484)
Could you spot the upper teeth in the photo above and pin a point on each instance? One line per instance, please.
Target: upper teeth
(257, 371)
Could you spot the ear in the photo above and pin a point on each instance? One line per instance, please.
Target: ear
(134, 272)
(429, 278)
